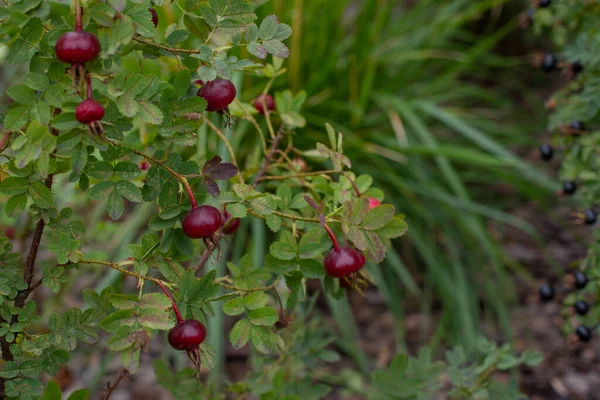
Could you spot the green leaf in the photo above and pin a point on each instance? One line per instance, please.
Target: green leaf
(286, 248)
(394, 229)
(35, 81)
(264, 340)
(41, 195)
(378, 217)
(13, 185)
(129, 191)
(255, 300)
(16, 118)
(265, 316)
(156, 319)
(234, 306)
(70, 326)
(240, 333)
(16, 205)
(236, 210)
(311, 268)
(23, 49)
(115, 205)
(52, 391)
(22, 94)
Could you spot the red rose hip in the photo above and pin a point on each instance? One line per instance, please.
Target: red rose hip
(261, 101)
(218, 94)
(373, 202)
(89, 111)
(201, 222)
(343, 261)
(230, 225)
(187, 335)
(77, 47)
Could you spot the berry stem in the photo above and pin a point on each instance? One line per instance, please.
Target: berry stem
(88, 81)
(78, 24)
(334, 240)
(189, 191)
(175, 308)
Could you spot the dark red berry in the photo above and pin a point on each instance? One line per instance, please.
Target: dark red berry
(546, 151)
(201, 222)
(187, 335)
(77, 47)
(545, 3)
(268, 100)
(89, 111)
(230, 225)
(154, 16)
(145, 165)
(549, 62)
(343, 262)
(581, 280)
(583, 333)
(218, 94)
(373, 202)
(581, 307)
(569, 187)
(591, 216)
(10, 232)
(546, 293)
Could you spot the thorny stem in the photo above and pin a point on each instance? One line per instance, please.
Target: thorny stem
(175, 308)
(170, 170)
(110, 387)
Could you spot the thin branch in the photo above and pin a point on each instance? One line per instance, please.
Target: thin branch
(110, 387)
(304, 174)
(210, 247)
(269, 156)
(118, 267)
(166, 48)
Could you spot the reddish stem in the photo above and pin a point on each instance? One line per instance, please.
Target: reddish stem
(88, 80)
(175, 308)
(353, 184)
(190, 193)
(334, 240)
(4, 140)
(78, 24)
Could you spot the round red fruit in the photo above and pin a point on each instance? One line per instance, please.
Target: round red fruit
(187, 335)
(154, 16)
(77, 47)
(89, 111)
(373, 202)
(261, 101)
(230, 225)
(343, 261)
(201, 222)
(218, 94)
(145, 165)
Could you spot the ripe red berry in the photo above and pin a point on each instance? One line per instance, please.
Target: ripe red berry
(201, 222)
(343, 261)
(89, 111)
(230, 225)
(219, 94)
(373, 202)
(10, 232)
(187, 335)
(77, 47)
(145, 165)
(268, 100)
(154, 16)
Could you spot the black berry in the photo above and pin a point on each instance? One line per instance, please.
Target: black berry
(546, 293)
(576, 67)
(546, 151)
(569, 187)
(187, 335)
(591, 216)
(545, 3)
(218, 94)
(201, 222)
(581, 307)
(581, 280)
(549, 62)
(583, 333)
(77, 47)
(577, 125)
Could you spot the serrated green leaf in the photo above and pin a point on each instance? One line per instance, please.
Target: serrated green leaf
(265, 316)
(240, 333)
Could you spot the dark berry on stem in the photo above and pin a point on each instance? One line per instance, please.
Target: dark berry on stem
(267, 100)
(89, 111)
(201, 222)
(569, 187)
(230, 225)
(546, 293)
(591, 216)
(584, 333)
(581, 307)
(545, 3)
(548, 62)
(77, 47)
(577, 125)
(154, 16)
(581, 280)
(218, 94)
(546, 151)
(343, 261)
(187, 335)
(577, 67)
